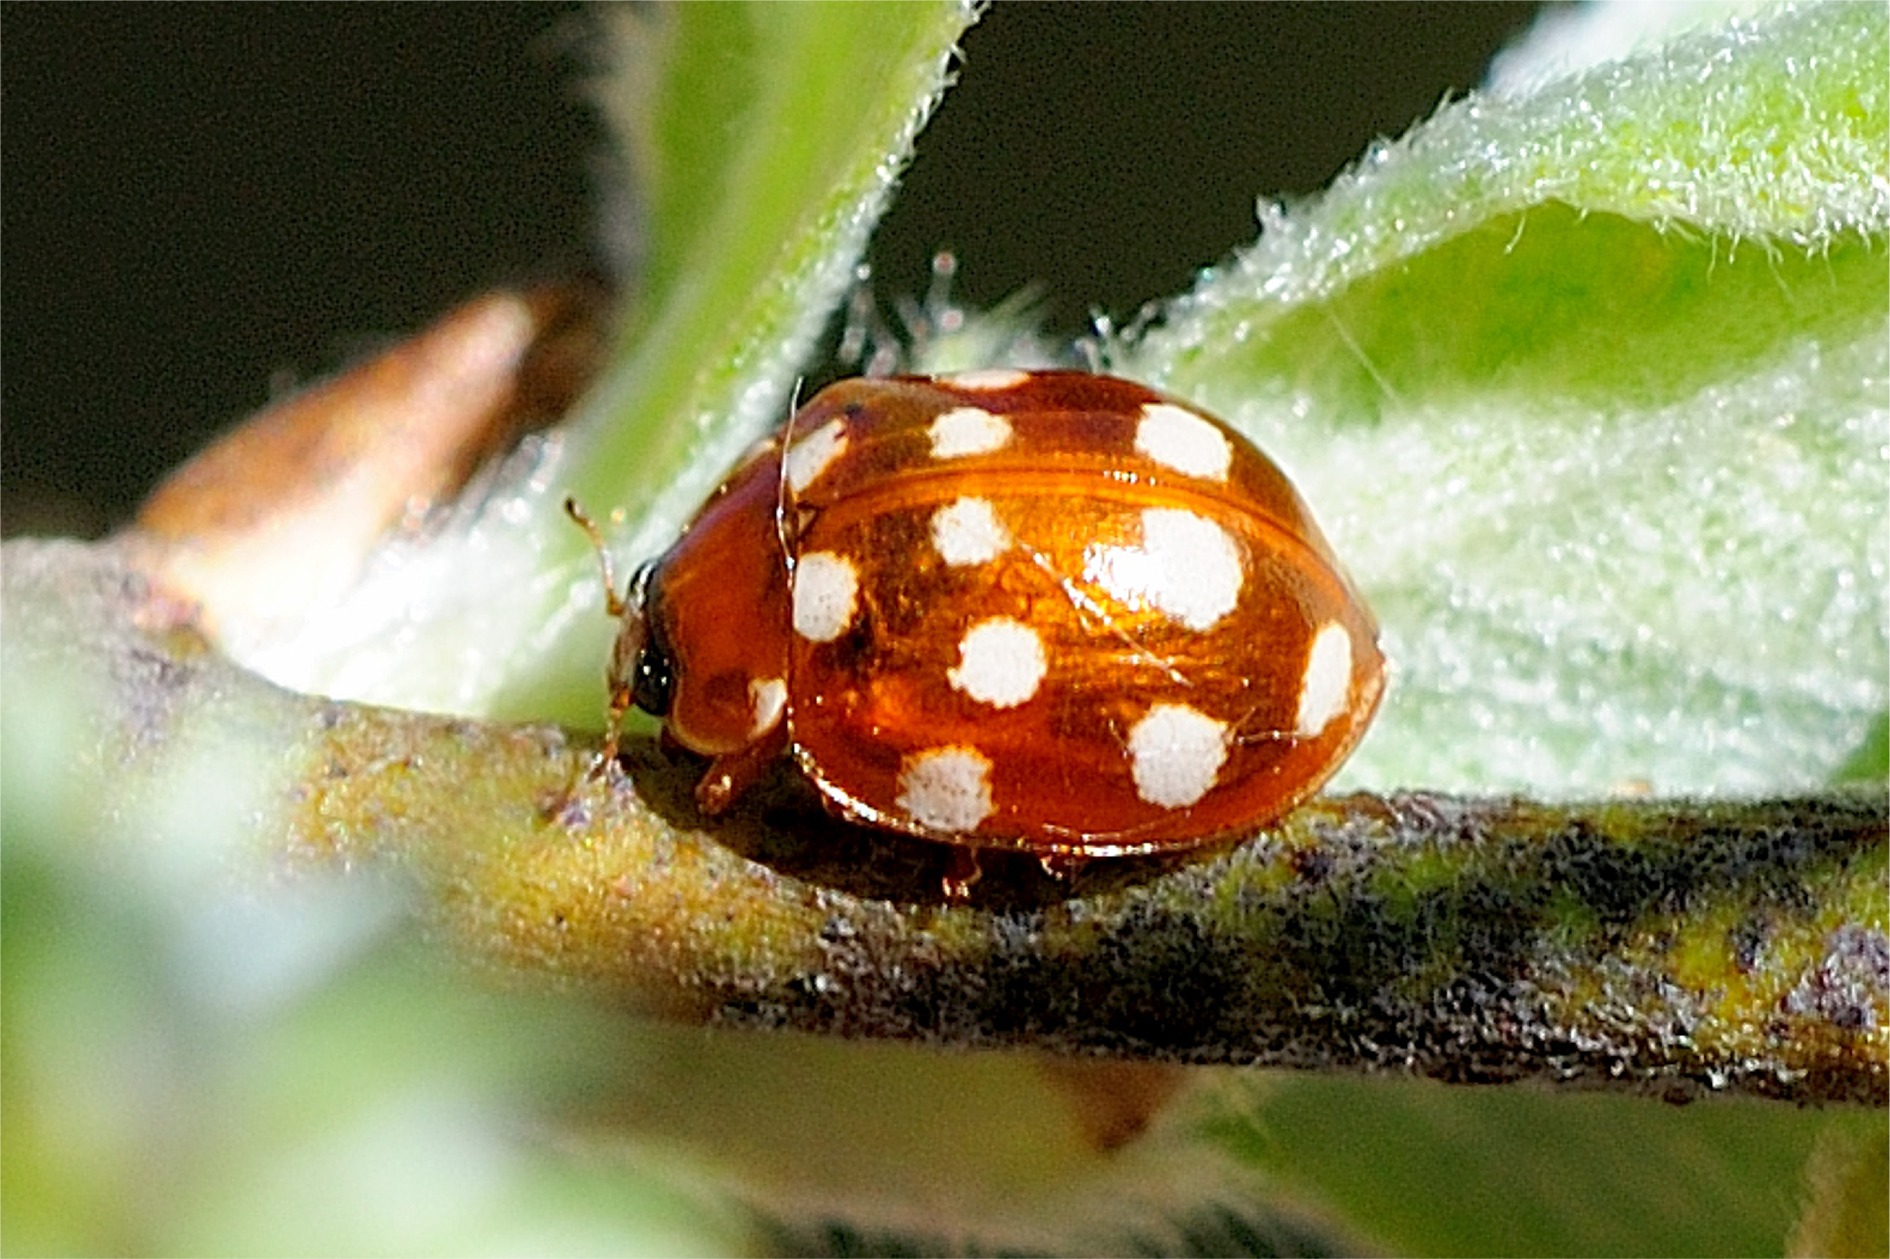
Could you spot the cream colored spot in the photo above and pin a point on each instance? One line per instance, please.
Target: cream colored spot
(825, 589)
(968, 431)
(969, 532)
(1184, 441)
(1187, 566)
(1175, 754)
(988, 380)
(1001, 663)
(814, 453)
(1327, 682)
(769, 697)
(946, 789)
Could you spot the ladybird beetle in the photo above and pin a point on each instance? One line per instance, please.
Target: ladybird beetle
(1045, 611)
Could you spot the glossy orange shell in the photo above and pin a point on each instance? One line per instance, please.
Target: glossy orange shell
(1046, 611)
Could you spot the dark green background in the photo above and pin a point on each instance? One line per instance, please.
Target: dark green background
(202, 203)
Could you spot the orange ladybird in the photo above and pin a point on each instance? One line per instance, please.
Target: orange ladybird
(1045, 611)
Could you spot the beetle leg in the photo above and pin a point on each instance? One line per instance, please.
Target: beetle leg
(959, 876)
(1062, 866)
(732, 773)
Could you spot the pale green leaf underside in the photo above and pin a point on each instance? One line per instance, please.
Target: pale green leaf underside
(767, 139)
(1589, 390)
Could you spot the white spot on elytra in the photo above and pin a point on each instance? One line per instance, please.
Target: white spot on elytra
(1175, 754)
(769, 697)
(968, 532)
(988, 380)
(1187, 566)
(1327, 680)
(1183, 441)
(1001, 663)
(814, 453)
(946, 789)
(825, 587)
(968, 431)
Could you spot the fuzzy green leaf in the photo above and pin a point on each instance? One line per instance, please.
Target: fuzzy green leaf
(1588, 387)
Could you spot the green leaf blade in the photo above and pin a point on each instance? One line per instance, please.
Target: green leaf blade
(1588, 389)
(1423, 1169)
(767, 149)
(766, 141)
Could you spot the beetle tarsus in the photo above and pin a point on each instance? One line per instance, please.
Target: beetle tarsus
(1062, 866)
(961, 875)
(731, 774)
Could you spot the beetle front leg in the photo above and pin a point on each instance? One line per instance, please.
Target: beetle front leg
(964, 871)
(732, 773)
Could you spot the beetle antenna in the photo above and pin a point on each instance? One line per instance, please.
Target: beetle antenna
(613, 603)
(625, 649)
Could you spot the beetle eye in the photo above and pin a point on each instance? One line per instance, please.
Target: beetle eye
(655, 682)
